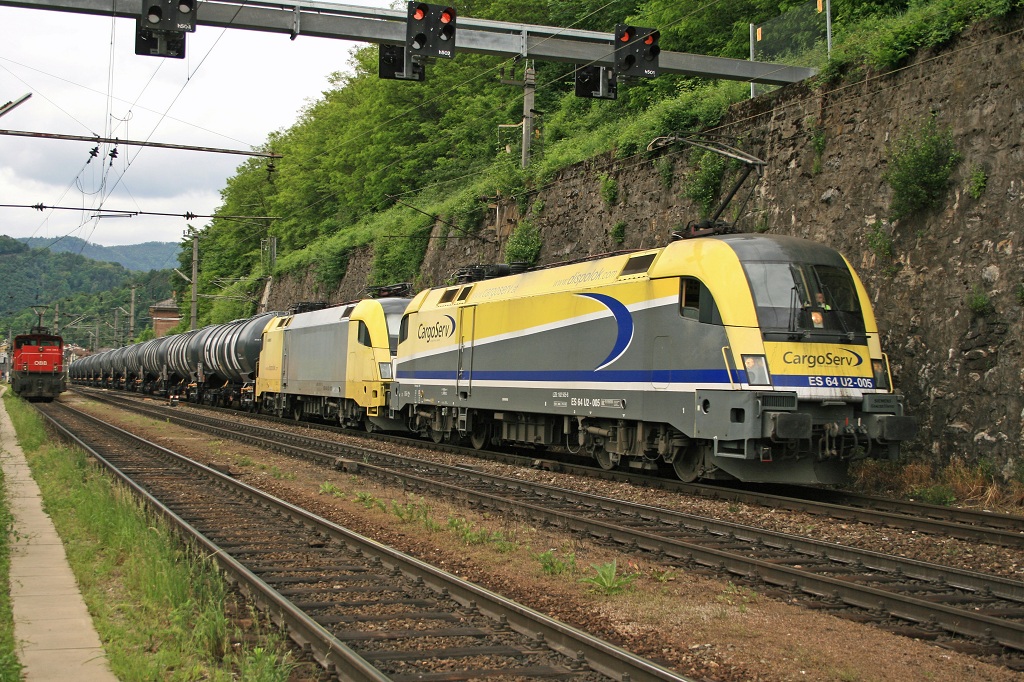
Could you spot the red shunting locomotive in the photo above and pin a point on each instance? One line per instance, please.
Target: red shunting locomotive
(37, 366)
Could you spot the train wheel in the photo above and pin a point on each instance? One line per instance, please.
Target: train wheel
(480, 436)
(436, 436)
(604, 459)
(687, 464)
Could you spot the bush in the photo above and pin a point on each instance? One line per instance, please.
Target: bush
(619, 232)
(609, 189)
(976, 182)
(524, 244)
(979, 302)
(920, 166)
(704, 183)
(880, 241)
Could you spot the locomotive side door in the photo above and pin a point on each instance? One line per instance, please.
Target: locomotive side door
(464, 371)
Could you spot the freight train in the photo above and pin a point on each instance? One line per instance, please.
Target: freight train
(37, 366)
(749, 357)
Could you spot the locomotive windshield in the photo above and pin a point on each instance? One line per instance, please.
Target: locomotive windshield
(805, 300)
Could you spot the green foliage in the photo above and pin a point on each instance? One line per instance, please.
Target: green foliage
(939, 494)
(523, 244)
(554, 565)
(979, 303)
(666, 171)
(619, 232)
(921, 163)
(818, 143)
(609, 189)
(704, 184)
(472, 535)
(606, 580)
(880, 241)
(1019, 294)
(328, 488)
(976, 182)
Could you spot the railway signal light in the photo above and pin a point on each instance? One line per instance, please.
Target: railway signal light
(393, 63)
(430, 30)
(596, 82)
(149, 42)
(160, 30)
(169, 15)
(636, 51)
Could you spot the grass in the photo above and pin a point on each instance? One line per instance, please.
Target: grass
(160, 609)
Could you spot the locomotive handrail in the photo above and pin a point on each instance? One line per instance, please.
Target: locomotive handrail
(728, 366)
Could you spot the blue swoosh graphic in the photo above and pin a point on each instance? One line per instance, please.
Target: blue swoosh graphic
(624, 321)
(453, 325)
(859, 358)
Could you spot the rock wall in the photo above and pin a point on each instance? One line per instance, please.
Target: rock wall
(959, 367)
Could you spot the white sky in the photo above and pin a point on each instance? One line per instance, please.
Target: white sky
(232, 89)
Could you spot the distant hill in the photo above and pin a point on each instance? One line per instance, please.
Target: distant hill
(139, 257)
(84, 296)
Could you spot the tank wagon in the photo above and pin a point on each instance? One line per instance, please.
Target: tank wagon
(332, 364)
(37, 366)
(739, 356)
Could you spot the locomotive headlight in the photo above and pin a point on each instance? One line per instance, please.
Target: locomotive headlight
(880, 368)
(385, 370)
(757, 370)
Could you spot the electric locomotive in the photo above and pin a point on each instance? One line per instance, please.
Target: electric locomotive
(740, 356)
(332, 364)
(37, 366)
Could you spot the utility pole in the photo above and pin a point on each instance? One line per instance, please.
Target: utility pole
(529, 85)
(131, 320)
(195, 274)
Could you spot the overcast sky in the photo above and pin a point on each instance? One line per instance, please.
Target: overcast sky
(232, 89)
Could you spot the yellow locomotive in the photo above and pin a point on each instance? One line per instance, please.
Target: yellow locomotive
(752, 357)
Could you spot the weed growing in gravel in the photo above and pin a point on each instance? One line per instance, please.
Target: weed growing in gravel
(410, 512)
(737, 596)
(369, 501)
(472, 535)
(553, 565)
(244, 461)
(606, 580)
(328, 488)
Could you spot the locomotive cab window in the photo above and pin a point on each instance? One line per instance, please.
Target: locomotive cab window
(696, 302)
(805, 298)
(403, 329)
(447, 296)
(363, 335)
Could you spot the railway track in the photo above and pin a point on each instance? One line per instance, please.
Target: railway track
(978, 614)
(363, 610)
(965, 524)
